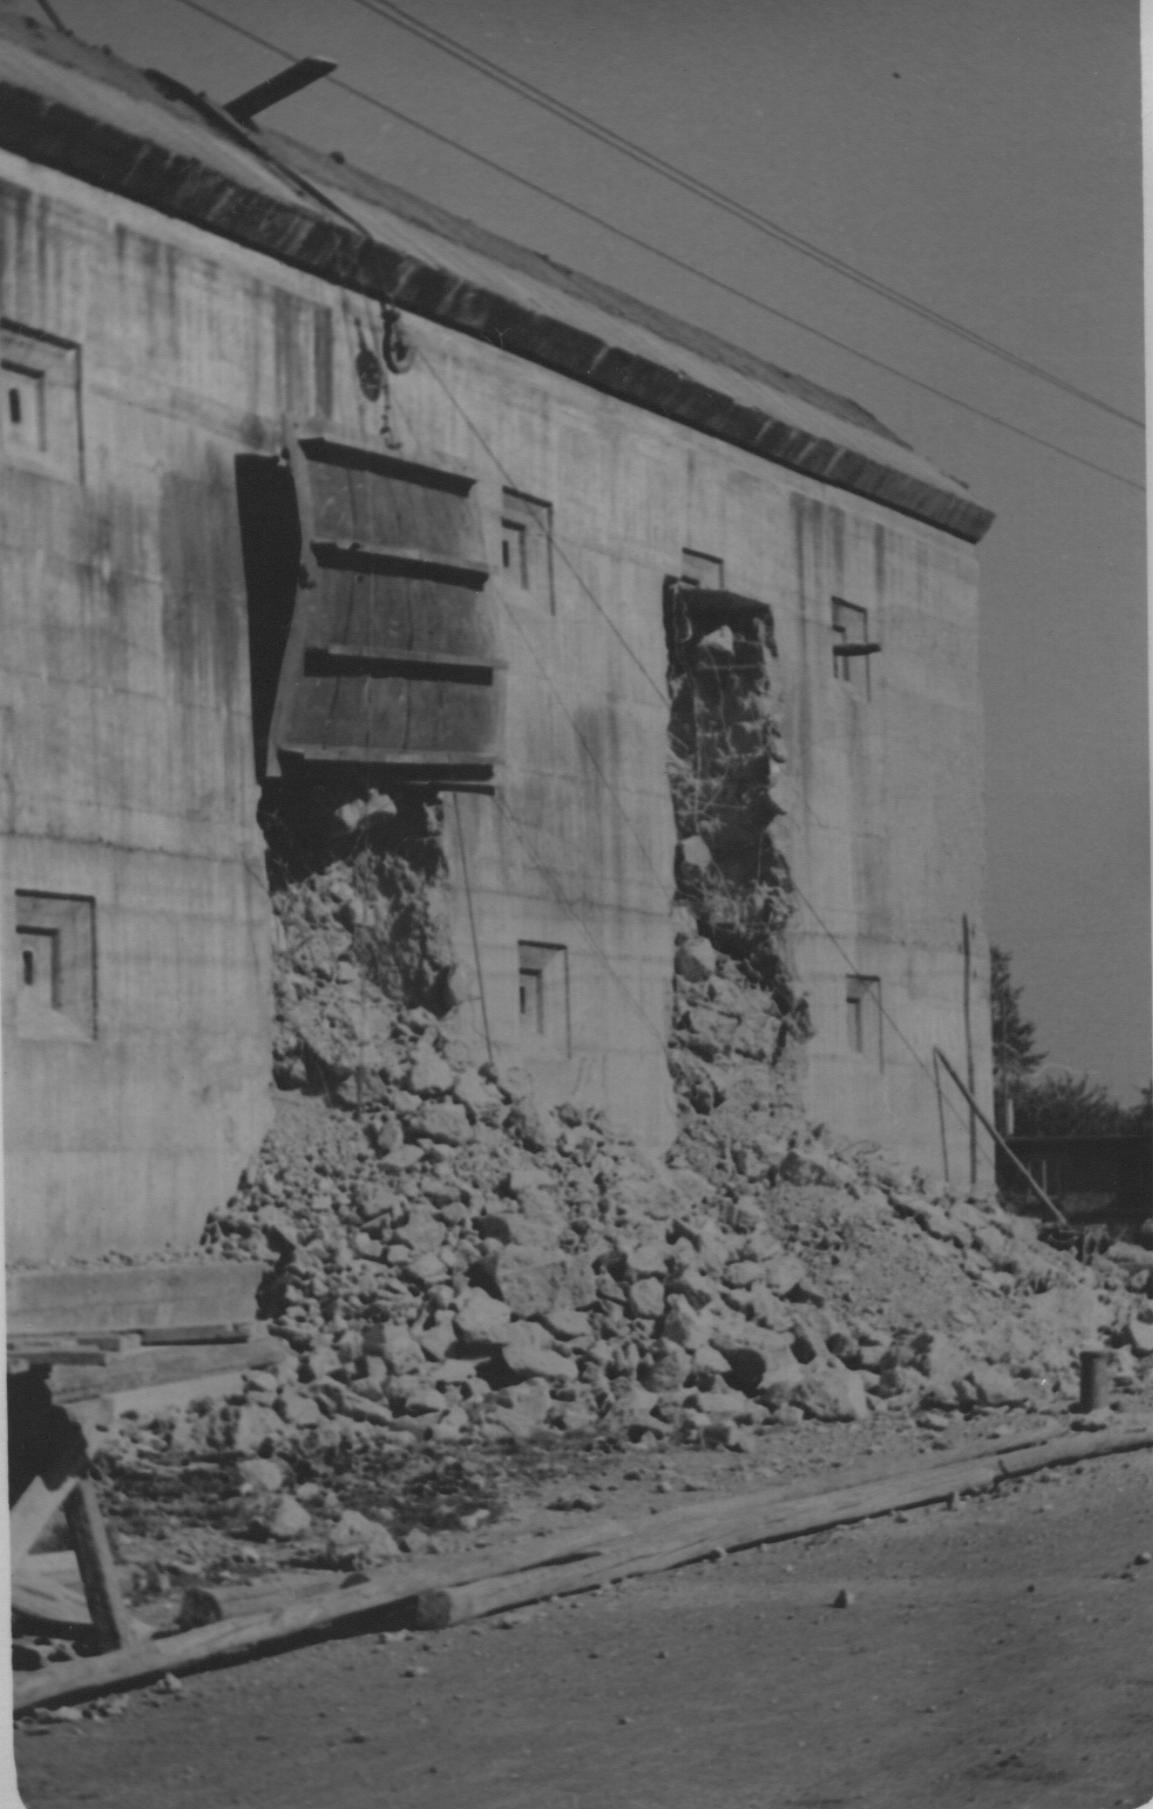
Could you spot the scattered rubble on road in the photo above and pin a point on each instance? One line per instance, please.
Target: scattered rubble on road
(476, 1296)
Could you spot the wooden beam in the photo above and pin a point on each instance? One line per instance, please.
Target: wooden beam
(597, 1555)
(110, 1617)
(137, 1297)
(1033, 1186)
(30, 1515)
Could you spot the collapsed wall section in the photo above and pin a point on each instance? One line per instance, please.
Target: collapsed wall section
(724, 747)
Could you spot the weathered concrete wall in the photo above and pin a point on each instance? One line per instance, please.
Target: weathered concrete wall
(882, 794)
(127, 752)
(195, 351)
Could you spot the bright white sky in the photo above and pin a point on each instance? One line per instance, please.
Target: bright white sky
(982, 156)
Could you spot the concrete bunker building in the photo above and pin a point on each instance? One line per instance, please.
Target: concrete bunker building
(504, 485)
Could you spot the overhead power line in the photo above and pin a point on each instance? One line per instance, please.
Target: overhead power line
(684, 179)
(669, 257)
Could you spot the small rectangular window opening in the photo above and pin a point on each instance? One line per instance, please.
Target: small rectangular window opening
(863, 1016)
(56, 944)
(24, 397)
(40, 406)
(852, 648)
(526, 546)
(542, 975)
(514, 552)
(702, 570)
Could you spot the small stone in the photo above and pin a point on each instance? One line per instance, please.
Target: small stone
(356, 1535)
(528, 1352)
(299, 1409)
(522, 1410)
(1140, 1333)
(844, 1598)
(430, 1073)
(647, 1298)
(262, 1473)
(696, 960)
(404, 1157)
(693, 854)
(256, 1427)
(288, 1521)
(481, 1320)
(443, 1123)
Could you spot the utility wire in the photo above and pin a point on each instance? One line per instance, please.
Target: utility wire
(772, 229)
(197, 6)
(670, 258)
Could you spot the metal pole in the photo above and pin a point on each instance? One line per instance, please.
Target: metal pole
(1033, 1185)
(970, 1064)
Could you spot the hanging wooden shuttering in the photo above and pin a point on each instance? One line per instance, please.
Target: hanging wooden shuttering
(390, 659)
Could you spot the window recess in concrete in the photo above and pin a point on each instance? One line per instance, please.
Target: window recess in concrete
(543, 983)
(702, 570)
(852, 649)
(863, 1017)
(56, 967)
(526, 546)
(40, 411)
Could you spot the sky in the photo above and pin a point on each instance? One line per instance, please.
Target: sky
(982, 157)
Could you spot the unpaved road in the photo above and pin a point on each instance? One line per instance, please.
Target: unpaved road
(1000, 1654)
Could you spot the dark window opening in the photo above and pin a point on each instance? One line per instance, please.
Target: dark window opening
(852, 648)
(702, 570)
(863, 1016)
(56, 938)
(40, 418)
(514, 551)
(526, 545)
(542, 973)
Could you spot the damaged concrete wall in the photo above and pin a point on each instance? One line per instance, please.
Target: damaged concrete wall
(560, 886)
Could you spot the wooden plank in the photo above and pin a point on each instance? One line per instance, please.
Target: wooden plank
(49, 1589)
(406, 561)
(131, 1297)
(111, 1620)
(228, 1333)
(29, 1516)
(153, 1364)
(44, 1354)
(331, 449)
(1033, 1185)
(435, 760)
(664, 1541)
(465, 667)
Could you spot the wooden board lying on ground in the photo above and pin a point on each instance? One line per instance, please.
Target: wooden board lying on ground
(151, 1365)
(503, 1578)
(131, 1296)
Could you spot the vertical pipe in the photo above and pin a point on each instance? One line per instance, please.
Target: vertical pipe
(970, 1065)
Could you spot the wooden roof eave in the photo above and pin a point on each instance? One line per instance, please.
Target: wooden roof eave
(107, 156)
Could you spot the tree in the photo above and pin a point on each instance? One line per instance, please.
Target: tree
(1014, 1057)
(1071, 1105)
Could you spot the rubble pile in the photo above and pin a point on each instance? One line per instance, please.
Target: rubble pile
(725, 751)
(447, 1262)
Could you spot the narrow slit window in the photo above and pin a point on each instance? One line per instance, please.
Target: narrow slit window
(542, 977)
(56, 942)
(863, 1017)
(514, 552)
(703, 570)
(40, 411)
(526, 547)
(852, 649)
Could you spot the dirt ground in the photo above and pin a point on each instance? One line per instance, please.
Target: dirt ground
(997, 1654)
